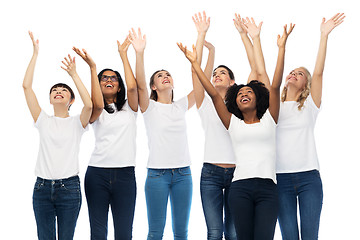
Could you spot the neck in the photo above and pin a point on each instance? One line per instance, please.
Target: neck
(61, 111)
(110, 99)
(222, 92)
(164, 97)
(250, 117)
(292, 93)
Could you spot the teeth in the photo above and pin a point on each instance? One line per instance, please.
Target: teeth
(245, 100)
(109, 85)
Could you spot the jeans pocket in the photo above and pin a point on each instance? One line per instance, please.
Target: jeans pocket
(38, 185)
(206, 173)
(155, 173)
(184, 171)
(71, 186)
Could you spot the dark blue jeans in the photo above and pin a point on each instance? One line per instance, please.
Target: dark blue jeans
(56, 200)
(160, 185)
(214, 188)
(115, 187)
(254, 206)
(305, 189)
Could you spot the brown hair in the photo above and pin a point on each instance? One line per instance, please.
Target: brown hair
(153, 93)
(305, 92)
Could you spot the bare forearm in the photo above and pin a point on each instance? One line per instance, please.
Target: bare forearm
(279, 69)
(29, 74)
(260, 63)
(320, 60)
(84, 94)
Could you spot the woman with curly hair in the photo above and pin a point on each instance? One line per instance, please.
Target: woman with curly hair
(250, 115)
(299, 182)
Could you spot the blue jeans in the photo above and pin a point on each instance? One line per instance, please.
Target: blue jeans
(254, 206)
(56, 200)
(214, 188)
(115, 187)
(305, 189)
(160, 184)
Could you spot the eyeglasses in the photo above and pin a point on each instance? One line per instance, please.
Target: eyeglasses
(104, 78)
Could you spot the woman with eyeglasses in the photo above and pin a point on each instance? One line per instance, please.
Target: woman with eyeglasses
(57, 192)
(110, 177)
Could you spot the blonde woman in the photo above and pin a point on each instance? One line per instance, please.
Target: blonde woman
(299, 182)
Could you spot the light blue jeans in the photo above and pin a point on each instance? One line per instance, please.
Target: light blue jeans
(160, 184)
(305, 189)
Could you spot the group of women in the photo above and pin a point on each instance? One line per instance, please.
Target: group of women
(260, 160)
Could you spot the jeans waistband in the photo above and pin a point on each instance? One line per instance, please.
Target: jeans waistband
(218, 169)
(57, 180)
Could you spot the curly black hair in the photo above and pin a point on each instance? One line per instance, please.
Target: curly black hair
(120, 96)
(261, 93)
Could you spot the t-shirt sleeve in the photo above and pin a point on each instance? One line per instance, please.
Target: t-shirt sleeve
(150, 107)
(130, 109)
(182, 103)
(205, 103)
(311, 103)
(40, 119)
(79, 125)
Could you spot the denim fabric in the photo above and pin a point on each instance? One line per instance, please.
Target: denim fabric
(115, 187)
(254, 206)
(305, 189)
(160, 184)
(214, 188)
(56, 200)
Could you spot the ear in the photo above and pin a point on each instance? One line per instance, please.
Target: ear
(153, 87)
(71, 102)
(232, 82)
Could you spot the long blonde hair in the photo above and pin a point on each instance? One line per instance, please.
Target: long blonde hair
(305, 92)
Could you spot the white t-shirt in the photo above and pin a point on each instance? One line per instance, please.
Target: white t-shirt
(58, 156)
(218, 146)
(296, 149)
(115, 138)
(166, 130)
(255, 147)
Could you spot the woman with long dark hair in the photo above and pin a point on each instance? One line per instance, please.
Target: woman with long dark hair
(110, 177)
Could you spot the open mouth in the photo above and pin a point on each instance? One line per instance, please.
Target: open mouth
(58, 97)
(109, 86)
(165, 81)
(245, 100)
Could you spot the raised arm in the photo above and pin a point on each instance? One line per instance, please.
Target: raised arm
(96, 94)
(30, 96)
(317, 80)
(238, 22)
(219, 104)
(202, 24)
(254, 32)
(278, 74)
(139, 42)
(70, 68)
(132, 92)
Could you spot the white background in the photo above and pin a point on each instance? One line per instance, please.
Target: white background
(96, 25)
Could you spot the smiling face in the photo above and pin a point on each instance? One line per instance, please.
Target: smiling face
(221, 78)
(61, 94)
(297, 78)
(109, 83)
(162, 81)
(246, 99)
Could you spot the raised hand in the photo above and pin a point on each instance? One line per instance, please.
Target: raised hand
(84, 55)
(35, 42)
(202, 23)
(281, 41)
(251, 27)
(238, 22)
(137, 40)
(209, 46)
(327, 26)
(123, 47)
(191, 56)
(70, 66)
